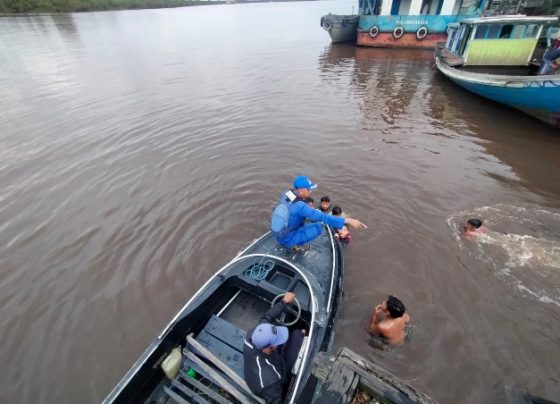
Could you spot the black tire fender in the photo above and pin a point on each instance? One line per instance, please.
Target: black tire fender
(421, 33)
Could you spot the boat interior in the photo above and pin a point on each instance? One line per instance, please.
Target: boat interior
(211, 336)
(530, 69)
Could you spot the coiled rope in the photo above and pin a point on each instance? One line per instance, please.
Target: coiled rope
(259, 271)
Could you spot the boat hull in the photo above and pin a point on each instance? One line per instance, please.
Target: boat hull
(387, 40)
(419, 31)
(535, 95)
(315, 276)
(341, 28)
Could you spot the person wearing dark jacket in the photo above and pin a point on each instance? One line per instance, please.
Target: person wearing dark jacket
(269, 353)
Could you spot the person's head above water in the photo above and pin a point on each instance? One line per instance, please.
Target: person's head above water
(395, 307)
(337, 211)
(310, 201)
(473, 224)
(325, 203)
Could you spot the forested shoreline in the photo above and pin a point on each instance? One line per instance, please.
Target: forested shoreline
(65, 6)
(8, 7)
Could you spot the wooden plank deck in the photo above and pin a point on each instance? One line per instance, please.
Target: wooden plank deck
(340, 377)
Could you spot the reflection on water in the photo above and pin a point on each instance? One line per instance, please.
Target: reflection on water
(449, 111)
(141, 150)
(389, 97)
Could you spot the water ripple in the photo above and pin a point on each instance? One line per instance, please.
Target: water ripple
(140, 150)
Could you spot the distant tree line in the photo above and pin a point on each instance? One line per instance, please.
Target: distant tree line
(62, 6)
(530, 7)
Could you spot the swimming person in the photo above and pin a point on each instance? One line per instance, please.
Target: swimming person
(288, 218)
(389, 319)
(473, 229)
(521, 248)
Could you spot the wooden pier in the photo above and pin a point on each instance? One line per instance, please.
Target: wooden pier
(349, 378)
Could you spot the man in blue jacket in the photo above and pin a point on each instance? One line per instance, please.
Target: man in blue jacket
(300, 232)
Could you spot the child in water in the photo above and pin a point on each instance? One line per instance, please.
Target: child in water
(310, 201)
(325, 204)
(473, 229)
(342, 234)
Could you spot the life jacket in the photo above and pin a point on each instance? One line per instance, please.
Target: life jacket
(281, 214)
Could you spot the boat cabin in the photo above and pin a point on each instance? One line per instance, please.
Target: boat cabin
(420, 7)
(496, 41)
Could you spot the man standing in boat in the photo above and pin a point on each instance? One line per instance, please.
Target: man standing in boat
(288, 219)
(548, 64)
(269, 353)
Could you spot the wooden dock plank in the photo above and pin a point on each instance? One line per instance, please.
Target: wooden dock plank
(339, 387)
(341, 376)
(381, 381)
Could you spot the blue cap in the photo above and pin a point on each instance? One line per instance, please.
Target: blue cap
(304, 182)
(266, 335)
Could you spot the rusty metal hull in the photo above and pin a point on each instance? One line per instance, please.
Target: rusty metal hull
(408, 40)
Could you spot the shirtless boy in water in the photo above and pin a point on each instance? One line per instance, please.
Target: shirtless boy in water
(389, 320)
(473, 229)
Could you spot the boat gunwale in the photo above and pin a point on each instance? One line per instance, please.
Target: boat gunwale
(490, 79)
(333, 249)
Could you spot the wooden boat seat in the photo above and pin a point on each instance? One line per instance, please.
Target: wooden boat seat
(217, 354)
(225, 341)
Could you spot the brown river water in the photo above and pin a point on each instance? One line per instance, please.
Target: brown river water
(141, 150)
